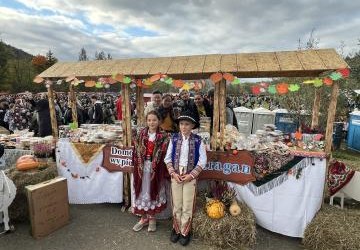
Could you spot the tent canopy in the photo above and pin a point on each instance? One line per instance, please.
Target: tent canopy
(303, 63)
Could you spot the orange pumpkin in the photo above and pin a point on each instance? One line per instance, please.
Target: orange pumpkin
(26, 162)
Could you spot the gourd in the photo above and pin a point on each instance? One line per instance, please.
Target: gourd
(234, 208)
(26, 162)
(215, 209)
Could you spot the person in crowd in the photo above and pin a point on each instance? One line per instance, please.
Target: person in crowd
(185, 159)
(119, 108)
(150, 173)
(43, 118)
(96, 112)
(81, 119)
(155, 101)
(203, 105)
(230, 114)
(166, 112)
(186, 103)
(4, 107)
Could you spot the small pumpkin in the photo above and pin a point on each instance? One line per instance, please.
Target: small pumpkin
(26, 162)
(234, 208)
(215, 209)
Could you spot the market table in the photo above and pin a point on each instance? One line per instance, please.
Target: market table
(289, 202)
(88, 182)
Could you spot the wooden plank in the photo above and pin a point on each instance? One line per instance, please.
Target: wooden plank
(53, 119)
(161, 65)
(212, 63)
(331, 117)
(140, 106)
(178, 65)
(215, 130)
(288, 60)
(143, 66)
(332, 59)
(267, 61)
(310, 60)
(246, 62)
(316, 109)
(222, 113)
(195, 64)
(124, 66)
(53, 70)
(228, 63)
(66, 70)
(108, 70)
(73, 105)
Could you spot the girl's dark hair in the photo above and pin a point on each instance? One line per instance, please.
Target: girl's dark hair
(153, 112)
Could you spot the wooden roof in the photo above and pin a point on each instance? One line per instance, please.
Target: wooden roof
(246, 65)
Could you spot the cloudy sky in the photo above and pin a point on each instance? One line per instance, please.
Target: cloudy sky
(135, 28)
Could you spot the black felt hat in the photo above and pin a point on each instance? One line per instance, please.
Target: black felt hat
(188, 115)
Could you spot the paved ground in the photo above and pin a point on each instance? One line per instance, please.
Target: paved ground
(106, 227)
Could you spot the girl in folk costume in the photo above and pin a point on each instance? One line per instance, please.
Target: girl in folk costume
(150, 173)
(185, 159)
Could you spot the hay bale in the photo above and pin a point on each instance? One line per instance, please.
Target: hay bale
(18, 211)
(235, 232)
(334, 228)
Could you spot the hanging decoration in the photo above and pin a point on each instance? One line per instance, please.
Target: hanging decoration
(38, 79)
(294, 87)
(282, 88)
(318, 83)
(272, 89)
(327, 81)
(90, 84)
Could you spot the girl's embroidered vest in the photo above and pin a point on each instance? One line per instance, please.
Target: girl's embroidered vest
(193, 157)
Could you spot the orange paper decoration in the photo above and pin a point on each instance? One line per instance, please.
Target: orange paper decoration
(216, 77)
(178, 83)
(155, 78)
(328, 81)
(70, 78)
(119, 77)
(282, 88)
(298, 135)
(38, 79)
(90, 84)
(111, 80)
(228, 77)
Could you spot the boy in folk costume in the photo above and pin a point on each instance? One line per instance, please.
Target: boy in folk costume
(150, 173)
(185, 159)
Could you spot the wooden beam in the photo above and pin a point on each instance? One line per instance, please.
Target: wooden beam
(222, 112)
(123, 123)
(54, 126)
(316, 109)
(331, 117)
(215, 128)
(73, 104)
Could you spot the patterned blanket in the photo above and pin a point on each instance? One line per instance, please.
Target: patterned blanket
(338, 176)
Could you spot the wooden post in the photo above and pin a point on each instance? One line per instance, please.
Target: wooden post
(316, 109)
(215, 128)
(54, 125)
(72, 98)
(140, 106)
(331, 117)
(222, 112)
(127, 133)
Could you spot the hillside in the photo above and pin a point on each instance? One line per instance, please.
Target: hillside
(15, 53)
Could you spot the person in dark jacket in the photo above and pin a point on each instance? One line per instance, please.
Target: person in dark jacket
(43, 119)
(187, 104)
(96, 111)
(202, 105)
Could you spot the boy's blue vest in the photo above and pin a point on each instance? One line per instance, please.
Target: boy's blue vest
(197, 139)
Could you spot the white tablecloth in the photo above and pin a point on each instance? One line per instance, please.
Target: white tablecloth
(100, 186)
(288, 208)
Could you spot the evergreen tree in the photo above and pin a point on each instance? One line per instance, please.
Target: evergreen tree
(109, 57)
(3, 63)
(100, 55)
(50, 59)
(83, 56)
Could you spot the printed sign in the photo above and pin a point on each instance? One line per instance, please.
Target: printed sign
(226, 166)
(118, 158)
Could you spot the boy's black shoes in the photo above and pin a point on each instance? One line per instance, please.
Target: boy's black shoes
(174, 237)
(184, 240)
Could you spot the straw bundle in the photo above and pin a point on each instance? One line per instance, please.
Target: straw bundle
(18, 210)
(236, 232)
(334, 228)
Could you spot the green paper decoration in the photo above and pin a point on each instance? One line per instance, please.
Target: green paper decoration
(236, 81)
(272, 89)
(73, 125)
(308, 81)
(294, 87)
(127, 80)
(98, 85)
(318, 83)
(169, 81)
(335, 76)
